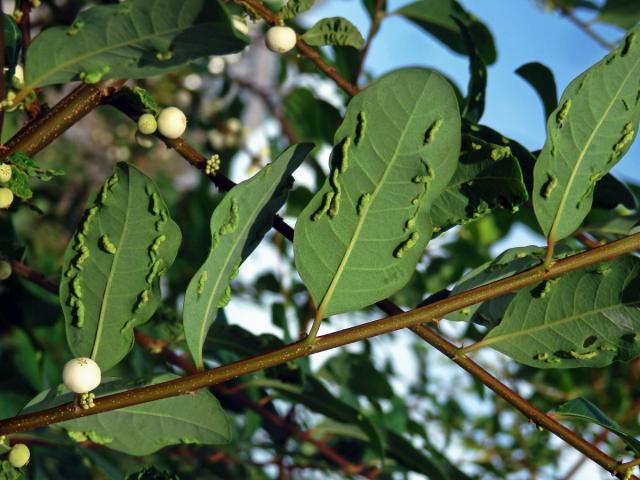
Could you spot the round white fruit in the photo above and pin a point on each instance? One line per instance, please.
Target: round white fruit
(6, 198)
(172, 122)
(81, 375)
(5, 270)
(19, 455)
(145, 141)
(5, 172)
(147, 124)
(280, 39)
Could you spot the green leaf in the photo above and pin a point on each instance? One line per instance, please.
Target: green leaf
(334, 31)
(541, 79)
(7, 472)
(293, 8)
(359, 239)
(12, 43)
(586, 318)
(622, 13)
(488, 176)
(356, 372)
(152, 473)
(112, 266)
(588, 133)
(436, 18)
(370, 7)
(583, 409)
(473, 107)
(611, 192)
(312, 120)
(238, 224)
(19, 184)
(510, 262)
(136, 39)
(143, 429)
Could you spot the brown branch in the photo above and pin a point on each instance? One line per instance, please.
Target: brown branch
(270, 17)
(23, 271)
(40, 132)
(376, 18)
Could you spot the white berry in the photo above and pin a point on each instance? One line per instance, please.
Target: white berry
(5, 172)
(280, 39)
(172, 122)
(145, 141)
(240, 24)
(147, 124)
(5, 270)
(6, 198)
(19, 455)
(81, 375)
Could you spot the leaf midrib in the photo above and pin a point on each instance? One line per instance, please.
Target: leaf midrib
(225, 263)
(530, 331)
(116, 256)
(565, 195)
(363, 215)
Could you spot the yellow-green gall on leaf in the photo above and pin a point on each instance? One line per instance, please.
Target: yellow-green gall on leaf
(5, 172)
(19, 455)
(6, 198)
(5, 270)
(147, 124)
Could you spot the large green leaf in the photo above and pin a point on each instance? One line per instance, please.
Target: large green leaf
(293, 8)
(587, 134)
(583, 409)
(360, 237)
(111, 276)
(436, 18)
(474, 102)
(488, 176)
(238, 224)
(334, 31)
(139, 38)
(145, 428)
(586, 318)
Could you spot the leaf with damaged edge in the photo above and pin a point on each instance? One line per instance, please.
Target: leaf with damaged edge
(359, 239)
(488, 176)
(238, 224)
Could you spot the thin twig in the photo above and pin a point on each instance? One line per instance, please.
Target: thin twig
(585, 27)
(376, 18)
(270, 17)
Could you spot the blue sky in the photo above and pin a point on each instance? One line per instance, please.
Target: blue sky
(523, 33)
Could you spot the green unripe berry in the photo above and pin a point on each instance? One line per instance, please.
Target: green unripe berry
(147, 124)
(19, 455)
(5, 270)
(6, 198)
(5, 172)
